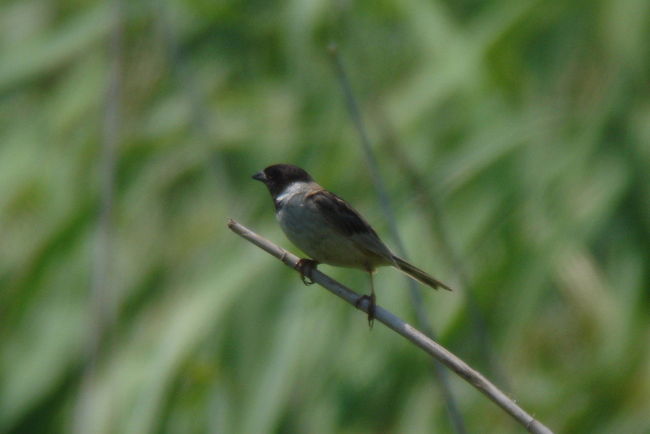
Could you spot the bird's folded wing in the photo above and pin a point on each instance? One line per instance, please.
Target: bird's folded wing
(346, 220)
(339, 214)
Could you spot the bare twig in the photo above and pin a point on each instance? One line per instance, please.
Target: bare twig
(398, 325)
(416, 295)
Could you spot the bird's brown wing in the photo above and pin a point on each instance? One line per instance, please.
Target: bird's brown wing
(346, 220)
(339, 214)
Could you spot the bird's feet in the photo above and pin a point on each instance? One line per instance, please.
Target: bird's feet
(371, 299)
(305, 267)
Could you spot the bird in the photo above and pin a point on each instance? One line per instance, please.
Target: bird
(329, 230)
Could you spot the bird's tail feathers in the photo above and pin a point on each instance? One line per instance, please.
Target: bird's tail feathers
(417, 274)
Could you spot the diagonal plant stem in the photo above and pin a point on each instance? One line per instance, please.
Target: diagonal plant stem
(416, 296)
(102, 298)
(433, 208)
(428, 345)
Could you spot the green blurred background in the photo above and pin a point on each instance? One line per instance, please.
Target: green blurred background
(511, 134)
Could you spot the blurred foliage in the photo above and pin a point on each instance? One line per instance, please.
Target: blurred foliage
(528, 121)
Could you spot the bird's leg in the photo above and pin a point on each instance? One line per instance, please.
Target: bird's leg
(371, 301)
(373, 298)
(305, 266)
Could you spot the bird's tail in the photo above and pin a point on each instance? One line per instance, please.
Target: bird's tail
(418, 274)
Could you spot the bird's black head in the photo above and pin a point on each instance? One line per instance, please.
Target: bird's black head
(278, 176)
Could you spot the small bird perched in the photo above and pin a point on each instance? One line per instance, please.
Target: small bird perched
(329, 230)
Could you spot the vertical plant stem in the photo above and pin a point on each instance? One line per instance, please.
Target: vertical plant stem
(433, 209)
(202, 118)
(416, 297)
(102, 304)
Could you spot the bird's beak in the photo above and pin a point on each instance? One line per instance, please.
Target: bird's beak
(259, 176)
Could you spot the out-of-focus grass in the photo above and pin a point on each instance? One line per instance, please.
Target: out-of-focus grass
(530, 121)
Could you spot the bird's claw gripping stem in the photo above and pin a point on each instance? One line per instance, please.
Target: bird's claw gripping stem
(371, 299)
(305, 267)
